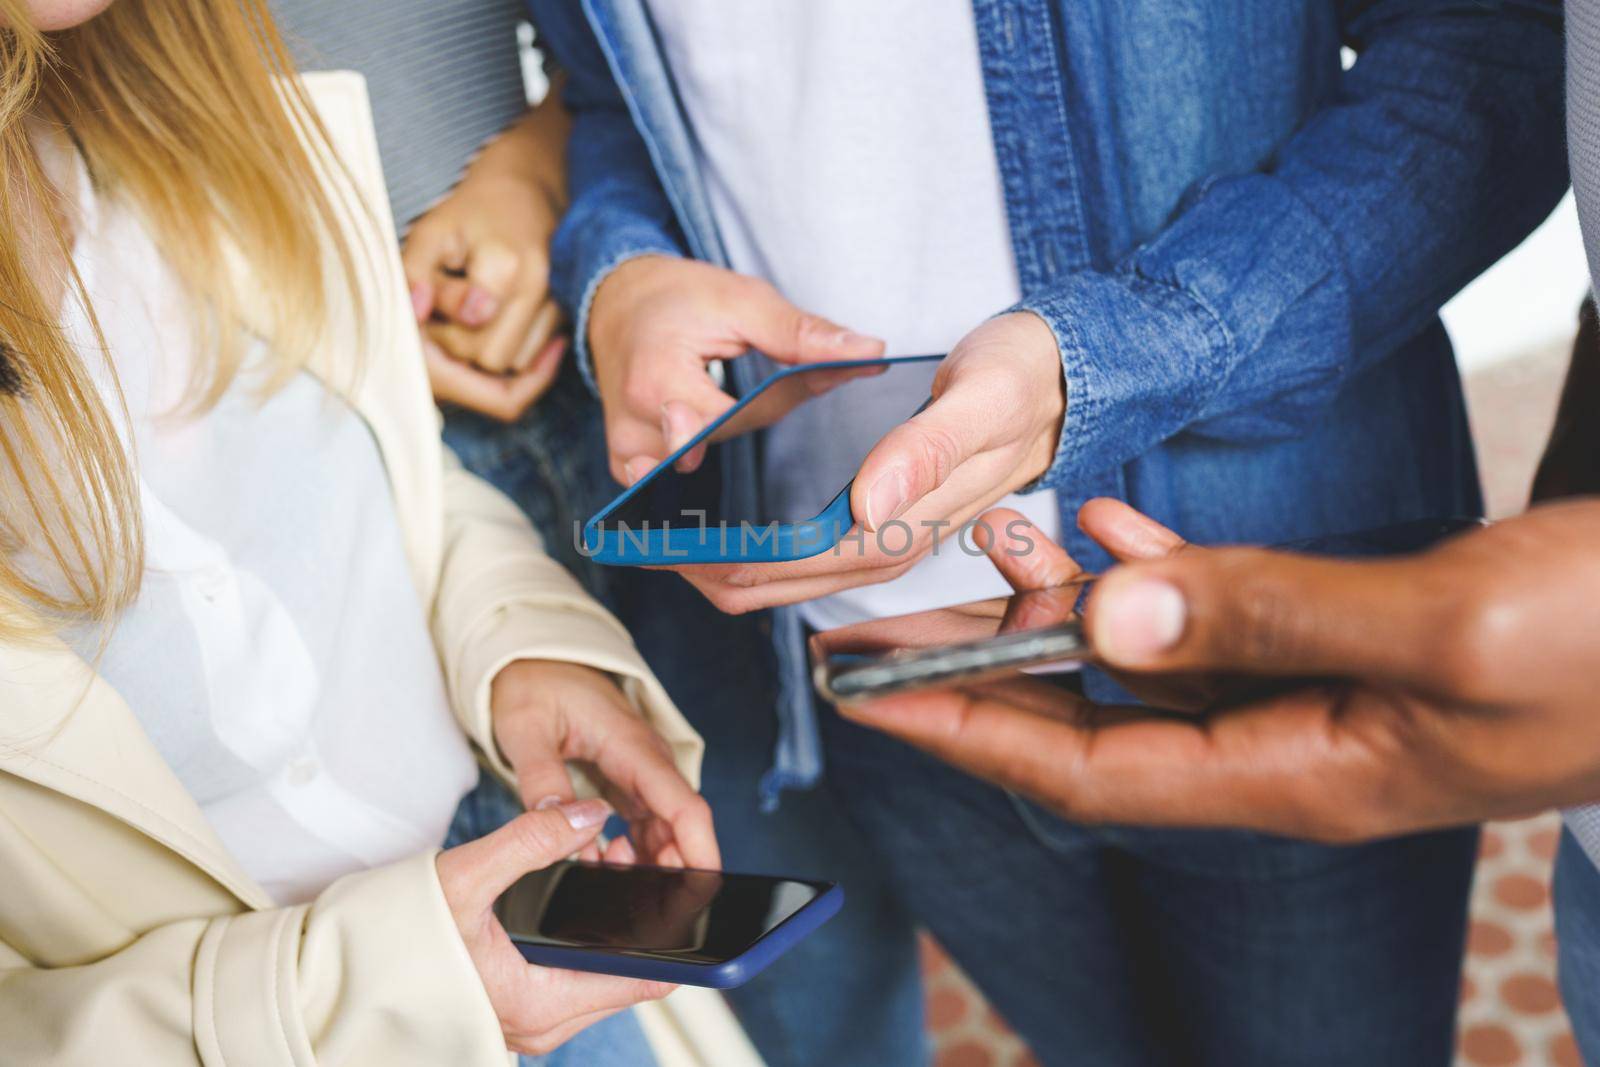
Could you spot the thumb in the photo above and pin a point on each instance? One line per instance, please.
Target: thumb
(917, 457)
(775, 327)
(1260, 612)
(479, 871)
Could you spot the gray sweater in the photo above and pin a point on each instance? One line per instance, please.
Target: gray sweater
(444, 77)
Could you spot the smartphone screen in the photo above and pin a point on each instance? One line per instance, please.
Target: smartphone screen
(822, 445)
(653, 912)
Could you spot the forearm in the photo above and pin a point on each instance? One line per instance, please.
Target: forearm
(373, 971)
(532, 150)
(502, 599)
(1244, 317)
(618, 208)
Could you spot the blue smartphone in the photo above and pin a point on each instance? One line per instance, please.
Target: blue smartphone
(686, 926)
(675, 517)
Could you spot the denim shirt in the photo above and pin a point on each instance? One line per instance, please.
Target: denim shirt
(1241, 246)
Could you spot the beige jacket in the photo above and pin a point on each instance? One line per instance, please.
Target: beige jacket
(127, 934)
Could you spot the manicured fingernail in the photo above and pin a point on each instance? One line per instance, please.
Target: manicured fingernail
(583, 814)
(547, 803)
(478, 308)
(1140, 622)
(887, 498)
(421, 300)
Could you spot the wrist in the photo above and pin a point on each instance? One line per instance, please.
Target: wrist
(1035, 342)
(531, 150)
(491, 182)
(527, 689)
(518, 693)
(610, 310)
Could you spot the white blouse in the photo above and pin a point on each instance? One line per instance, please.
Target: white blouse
(278, 653)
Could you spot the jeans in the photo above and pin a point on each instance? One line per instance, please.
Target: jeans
(1577, 908)
(613, 1042)
(849, 995)
(1119, 947)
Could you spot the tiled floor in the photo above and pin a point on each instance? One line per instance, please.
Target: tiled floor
(1511, 1011)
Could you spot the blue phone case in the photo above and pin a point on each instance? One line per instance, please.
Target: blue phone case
(735, 972)
(779, 543)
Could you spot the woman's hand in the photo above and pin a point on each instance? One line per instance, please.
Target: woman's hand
(478, 264)
(547, 714)
(996, 415)
(539, 1008)
(656, 324)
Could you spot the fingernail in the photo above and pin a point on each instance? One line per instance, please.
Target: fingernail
(583, 814)
(1140, 622)
(478, 308)
(547, 803)
(635, 469)
(887, 498)
(845, 339)
(421, 301)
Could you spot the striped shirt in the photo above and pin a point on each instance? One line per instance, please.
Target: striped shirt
(1583, 146)
(444, 77)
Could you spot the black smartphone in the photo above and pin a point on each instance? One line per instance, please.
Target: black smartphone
(1038, 628)
(686, 926)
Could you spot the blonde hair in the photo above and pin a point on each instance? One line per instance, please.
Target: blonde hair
(179, 109)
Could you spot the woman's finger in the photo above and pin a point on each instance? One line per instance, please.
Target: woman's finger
(620, 850)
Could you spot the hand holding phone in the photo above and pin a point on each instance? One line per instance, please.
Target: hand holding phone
(656, 326)
(538, 1008)
(991, 426)
(678, 512)
(693, 927)
(1039, 627)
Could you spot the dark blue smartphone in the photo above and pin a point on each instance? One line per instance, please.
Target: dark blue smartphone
(674, 517)
(689, 927)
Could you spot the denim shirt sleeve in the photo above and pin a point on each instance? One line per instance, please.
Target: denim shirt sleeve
(1268, 290)
(618, 209)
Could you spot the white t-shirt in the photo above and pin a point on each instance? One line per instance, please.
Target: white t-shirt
(278, 654)
(847, 153)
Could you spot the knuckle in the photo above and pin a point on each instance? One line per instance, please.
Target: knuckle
(697, 808)
(938, 451)
(536, 268)
(809, 331)
(1265, 625)
(537, 837)
(750, 288)
(1471, 642)
(638, 394)
(737, 602)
